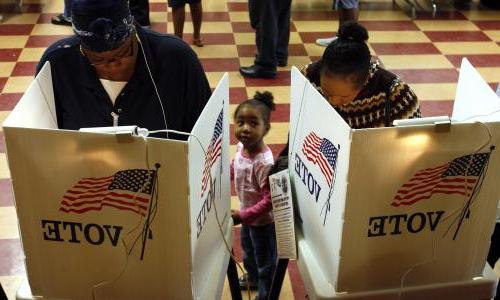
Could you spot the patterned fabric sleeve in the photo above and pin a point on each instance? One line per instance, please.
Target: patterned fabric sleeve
(404, 102)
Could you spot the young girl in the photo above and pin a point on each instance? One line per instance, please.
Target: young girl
(250, 170)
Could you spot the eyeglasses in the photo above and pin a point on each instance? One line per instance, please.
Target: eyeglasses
(122, 52)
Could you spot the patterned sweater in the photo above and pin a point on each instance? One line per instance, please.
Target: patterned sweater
(368, 108)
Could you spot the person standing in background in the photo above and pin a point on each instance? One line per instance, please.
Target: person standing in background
(138, 8)
(140, 11)
(179, 15)
(348, 11)
(271, 21)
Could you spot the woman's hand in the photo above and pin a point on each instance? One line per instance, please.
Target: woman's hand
(235, 214)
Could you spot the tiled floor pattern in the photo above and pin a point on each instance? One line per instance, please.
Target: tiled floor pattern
(425, 52)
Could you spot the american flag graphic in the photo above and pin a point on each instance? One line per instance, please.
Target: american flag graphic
(126, 190)
(323, 153)
(449, 178)
(213, 152)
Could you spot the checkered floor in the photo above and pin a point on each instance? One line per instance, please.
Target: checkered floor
(425, 52)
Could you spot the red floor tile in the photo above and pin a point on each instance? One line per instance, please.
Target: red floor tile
(390, 25)
(250, 50)
(488, 25)
(213, 38)
(159, 27)
(241, 27)
(207, 17)
(377, 5)
(298, 288)
(477, 60)
(428, 75)
(158, 7)
(18, 29)
(297, 50)
(281, 113)
(314, 15)
(404, 48)
(457, 36)
(9, 101)
(237, 95)
(24, 69)
(220, 64)
(7, 55)
(11, 258)
(246, 50)
(40, 41)
(276, 149)
(282, 79)
(3, 81)
(436, 108)
(32, 8)
(238, 253)
(6, 195)
(310, 37)
(232, 138)
(237, 6)
(46, 18)
(441, 15)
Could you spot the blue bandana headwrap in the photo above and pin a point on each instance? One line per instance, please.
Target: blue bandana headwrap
(102, 25)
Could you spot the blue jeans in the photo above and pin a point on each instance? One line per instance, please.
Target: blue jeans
(259, 255)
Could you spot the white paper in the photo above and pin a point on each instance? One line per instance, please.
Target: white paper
(281, 197)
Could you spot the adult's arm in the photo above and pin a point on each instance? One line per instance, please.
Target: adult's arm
(404, 102)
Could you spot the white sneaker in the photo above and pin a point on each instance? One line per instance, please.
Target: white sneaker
(326, 42)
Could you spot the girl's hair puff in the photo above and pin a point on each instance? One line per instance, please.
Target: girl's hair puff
(263, 101)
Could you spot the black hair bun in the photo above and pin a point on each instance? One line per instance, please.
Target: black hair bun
(353, 31)
(266, 98)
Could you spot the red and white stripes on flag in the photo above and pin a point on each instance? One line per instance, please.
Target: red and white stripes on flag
(128, 190)
(458, 176)
(323, 153)
(213, 152)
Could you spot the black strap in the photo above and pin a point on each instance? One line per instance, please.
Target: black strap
(387, 110)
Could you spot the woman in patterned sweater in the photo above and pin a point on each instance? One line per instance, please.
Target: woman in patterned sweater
(362, 92)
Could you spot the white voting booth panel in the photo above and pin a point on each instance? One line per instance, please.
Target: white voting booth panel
(390, 208)
(120, 217)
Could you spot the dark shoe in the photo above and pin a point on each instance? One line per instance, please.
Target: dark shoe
(243, 283)
(60, 19)
(257, 71)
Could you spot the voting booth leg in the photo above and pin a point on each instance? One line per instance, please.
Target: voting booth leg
(279, 276)
(232, 278)
(2, 293)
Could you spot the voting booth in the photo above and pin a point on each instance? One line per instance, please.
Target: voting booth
(382, 211)
(120, 216)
